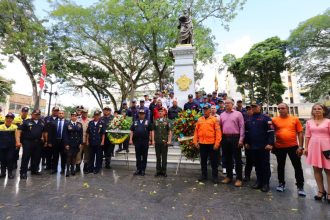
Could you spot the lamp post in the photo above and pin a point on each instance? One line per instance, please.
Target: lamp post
(51, 93)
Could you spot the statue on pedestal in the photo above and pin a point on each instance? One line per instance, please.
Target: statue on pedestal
(186, 28)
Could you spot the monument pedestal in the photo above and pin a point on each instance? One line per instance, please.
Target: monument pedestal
(184, 80)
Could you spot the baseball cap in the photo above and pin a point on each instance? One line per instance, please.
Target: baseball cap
(190, 96)
(107, 108)
(97, 112)
(25, 109)
(141, 111)
(55, 108)
(207, 106)
(36, 111)
(10, 115)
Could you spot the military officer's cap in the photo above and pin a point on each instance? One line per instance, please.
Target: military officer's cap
(97, 112)
(74, 113)
(10, 115)
(256, 103)
(36, 112)
(190, 96)
(55, 108)
(25, 109)
(207, 106)
(141, 111)
(107, 108)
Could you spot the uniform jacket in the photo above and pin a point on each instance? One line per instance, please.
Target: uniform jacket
(73, 134)
(207, 131)
(161, 129)
(95, 132)
(32, 130)
(191, 106)
(141, 130)
(259, 131)
(52, 127)
(7, 136)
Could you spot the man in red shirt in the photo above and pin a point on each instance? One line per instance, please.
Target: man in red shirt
(287, 129)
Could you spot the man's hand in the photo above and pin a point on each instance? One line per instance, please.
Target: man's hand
(240, 144)
(306, 152)
(18, 144)
(130, 142)
(247, 146)
(216, 147)
(300, 151)
(197, 146)
(268, 147)
(102, 143)
(169, 142)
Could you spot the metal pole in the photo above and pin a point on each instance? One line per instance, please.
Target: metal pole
(50, 97)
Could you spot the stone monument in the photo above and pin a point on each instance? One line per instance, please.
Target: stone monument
(184, 54)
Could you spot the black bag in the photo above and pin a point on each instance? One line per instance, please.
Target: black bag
(326, 154)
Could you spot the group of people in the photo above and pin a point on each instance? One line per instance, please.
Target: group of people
(221, 133)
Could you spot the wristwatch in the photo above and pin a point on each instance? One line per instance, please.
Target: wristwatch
(301, 148)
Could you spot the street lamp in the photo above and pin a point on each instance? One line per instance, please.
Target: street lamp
(50, 95)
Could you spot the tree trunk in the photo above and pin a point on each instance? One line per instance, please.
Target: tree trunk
(35, 96)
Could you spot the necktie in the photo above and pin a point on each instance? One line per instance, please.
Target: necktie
(59, 129)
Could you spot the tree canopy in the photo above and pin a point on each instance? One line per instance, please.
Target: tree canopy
(309, 47)
(258, 72)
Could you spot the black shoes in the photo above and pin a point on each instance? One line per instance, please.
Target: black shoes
(119, 150)
(256, 186)
(323, 195)
(202, 178)
(107, 166)
(23, 176)
(158, 174)
(3, 174)
(37, 173)
(265, 188)
(138, 172)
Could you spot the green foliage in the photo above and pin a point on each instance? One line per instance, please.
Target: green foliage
(23, 37)
(6, 87)
(258, 71)
(309, 47)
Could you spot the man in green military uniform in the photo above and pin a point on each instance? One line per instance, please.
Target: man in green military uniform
(161, 136)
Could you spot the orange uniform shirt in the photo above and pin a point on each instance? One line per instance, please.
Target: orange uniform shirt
(286, 130)
(207, 131)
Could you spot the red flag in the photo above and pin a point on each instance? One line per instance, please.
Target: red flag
(43, 76)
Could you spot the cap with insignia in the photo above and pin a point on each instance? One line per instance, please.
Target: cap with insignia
(190, 96)
(74, 113)
(10, 115)
(207, 106)
(25, 109)
(97, 112)
(36, 112)
(141, 111)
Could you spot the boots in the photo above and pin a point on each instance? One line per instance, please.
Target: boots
(73, 172)
(107, 163)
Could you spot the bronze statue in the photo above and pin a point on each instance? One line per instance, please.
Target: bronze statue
(186, 28)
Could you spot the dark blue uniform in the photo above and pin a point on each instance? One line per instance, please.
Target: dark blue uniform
(95, 131)
(108, 146)
(32, 144)
(259, 133)
(141, 134)
(73, 137)
(191, 106)
(47, 152)
(7, 149)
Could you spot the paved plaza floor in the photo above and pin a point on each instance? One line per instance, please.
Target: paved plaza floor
(117, 194)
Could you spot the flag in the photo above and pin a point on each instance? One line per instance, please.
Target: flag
(43, 76)
(216, 82)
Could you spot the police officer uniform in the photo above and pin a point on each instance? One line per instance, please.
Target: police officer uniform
(259, 134)
(108, 147)
(161, 129)
(140, 135)
(7, 147)
(50, 126)
(96, 134)
(19, 121)
(191, 105)
(73, 138)
(32, 131)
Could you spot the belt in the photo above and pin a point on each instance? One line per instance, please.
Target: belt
(231, 135)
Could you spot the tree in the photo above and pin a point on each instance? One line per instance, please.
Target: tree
(258, 71)
(23, 37)
(309, 47)
(6, 87)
